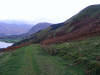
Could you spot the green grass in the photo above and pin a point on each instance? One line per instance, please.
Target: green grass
(10, 40)
(85, 53)
(33, 60)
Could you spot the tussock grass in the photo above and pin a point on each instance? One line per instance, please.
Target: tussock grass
(85, 53)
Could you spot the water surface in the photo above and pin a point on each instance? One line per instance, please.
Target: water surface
(5, 44)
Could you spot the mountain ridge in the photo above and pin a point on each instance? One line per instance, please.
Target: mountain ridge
(84, 24)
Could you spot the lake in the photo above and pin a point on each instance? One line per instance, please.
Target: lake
(5, 44)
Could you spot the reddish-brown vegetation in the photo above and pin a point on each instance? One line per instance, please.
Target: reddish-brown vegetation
(11, 48)
(85, 28)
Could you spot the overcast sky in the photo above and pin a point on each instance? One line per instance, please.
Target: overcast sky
(53, 11)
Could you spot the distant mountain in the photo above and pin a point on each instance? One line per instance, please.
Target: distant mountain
(20, 31)
(13, 28)
(38, 27)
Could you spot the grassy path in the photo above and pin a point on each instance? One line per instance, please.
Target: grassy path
(27, 67)
(32, 60)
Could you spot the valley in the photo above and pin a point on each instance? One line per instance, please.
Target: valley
(71, 47)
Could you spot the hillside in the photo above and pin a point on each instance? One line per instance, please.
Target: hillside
(84, 53)
(32, 60)
(82, 25)
(38, 27)
(69, 58)
(18, 35)
(68, 48)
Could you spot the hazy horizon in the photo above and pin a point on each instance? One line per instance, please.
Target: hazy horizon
(35, 11)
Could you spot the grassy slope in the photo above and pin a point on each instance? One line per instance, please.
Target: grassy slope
(85, 52)
(32, 60)
(85, 17)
